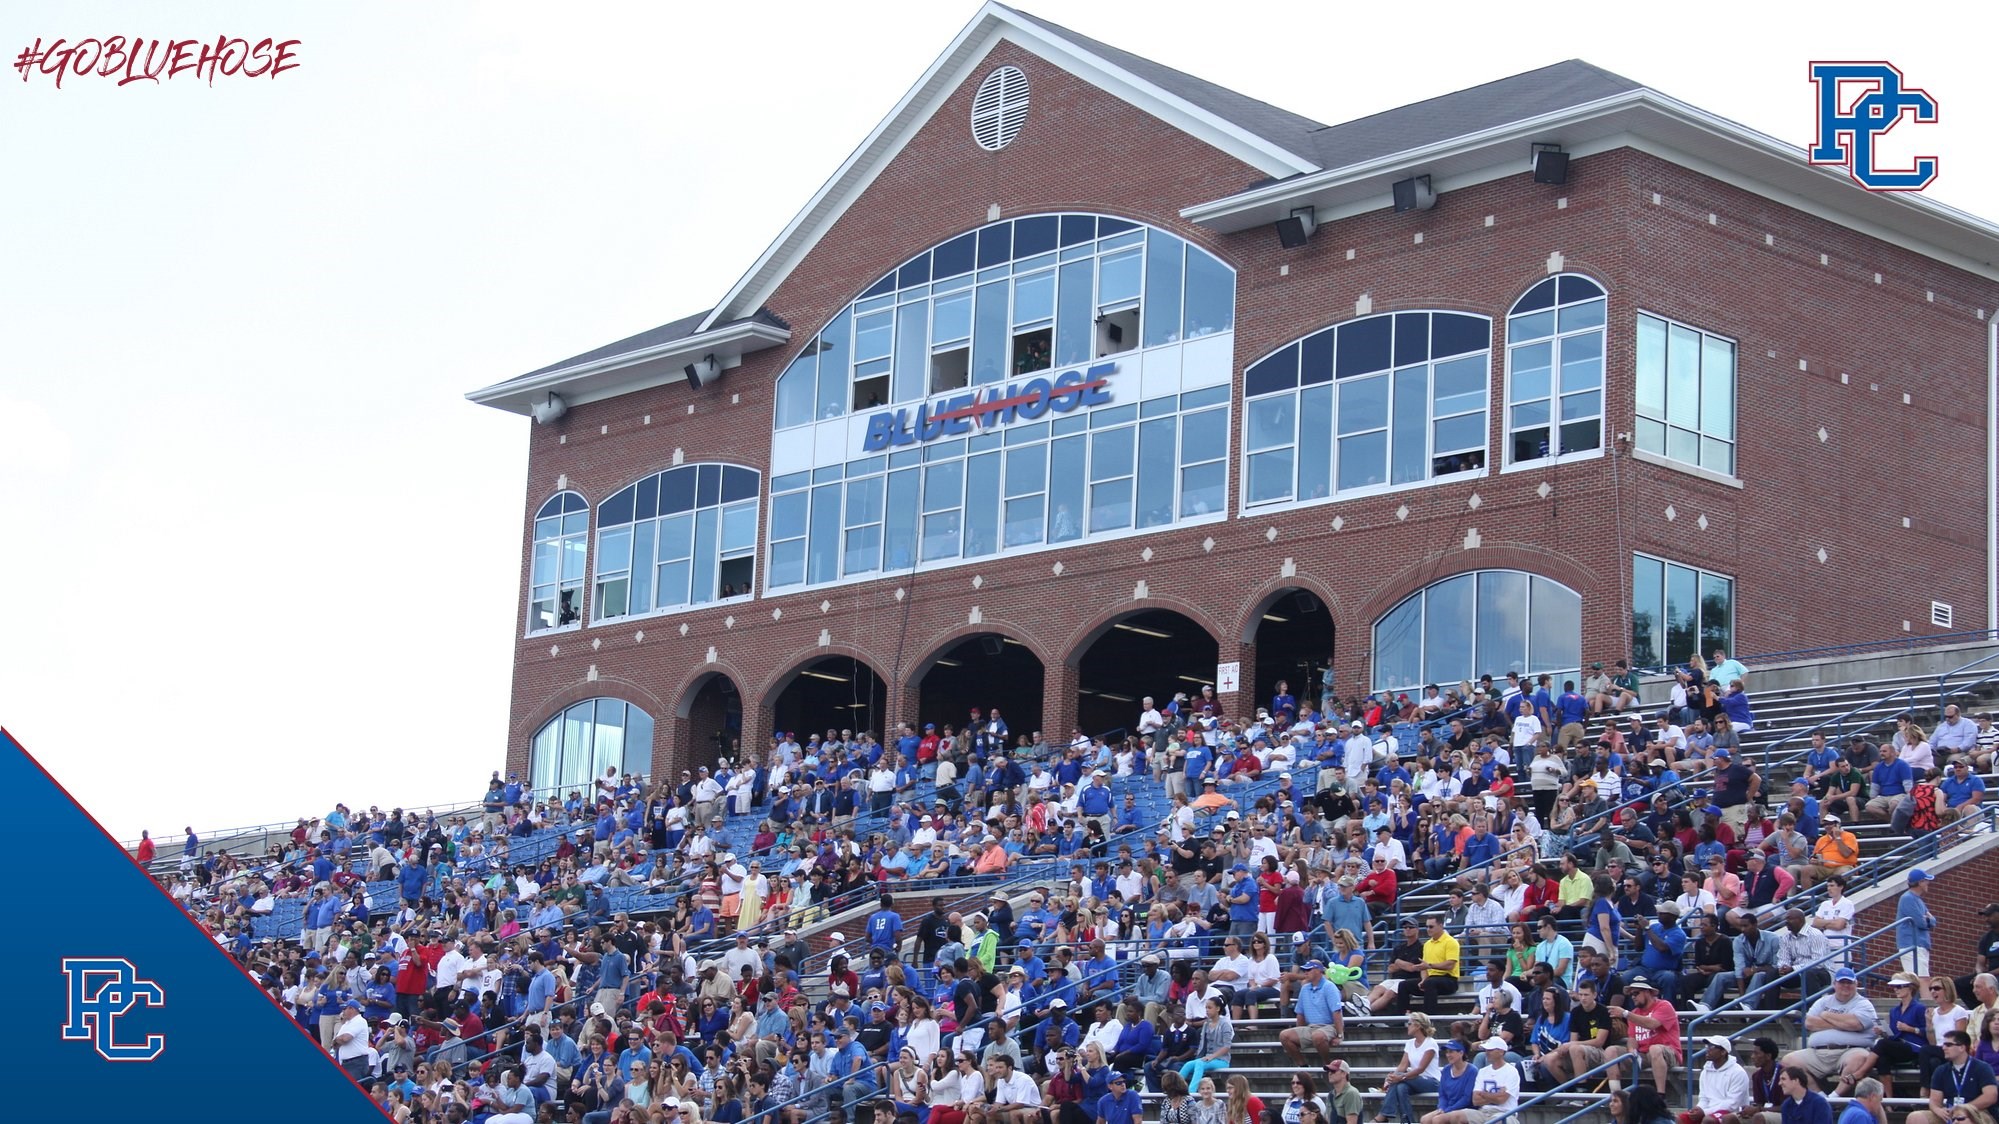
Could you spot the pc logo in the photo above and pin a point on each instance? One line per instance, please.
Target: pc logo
(100, 990)
(1858, 103)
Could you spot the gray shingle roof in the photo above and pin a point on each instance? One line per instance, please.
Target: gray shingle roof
(651, 337)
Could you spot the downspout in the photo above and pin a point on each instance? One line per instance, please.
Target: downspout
(1992, 474)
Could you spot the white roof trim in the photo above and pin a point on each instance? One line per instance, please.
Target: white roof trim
(993, 23)
(1650, 122)
(600, 378)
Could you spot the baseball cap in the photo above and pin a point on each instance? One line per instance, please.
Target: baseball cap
(597, 1009)
(1238, 869)
(1493, 1043)
(1315, 965)
(1844, 975)
(1456, 1046)
(1920, 875)
(1058, 1001)
(837, 937)
(1722, 753)
(1720, 1040)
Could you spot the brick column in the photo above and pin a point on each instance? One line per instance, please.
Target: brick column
(1059, 683)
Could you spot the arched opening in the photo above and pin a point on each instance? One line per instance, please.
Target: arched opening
(833, 692)
(1294, 644)
(586, 740)
(1483, 622)
(987, 671)
(713, 710)
(1154, 652)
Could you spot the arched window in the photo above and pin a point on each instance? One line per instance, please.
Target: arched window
(1554, 371)
(555, 582)
(687, 536)
(1040, 381)
(576, 746)
(1371, 404)
(1478, 623)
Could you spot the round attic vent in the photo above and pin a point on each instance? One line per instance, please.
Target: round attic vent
(999, 109)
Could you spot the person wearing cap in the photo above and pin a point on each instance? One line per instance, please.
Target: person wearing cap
(1839, 1031)
(1320, 1009)
(1724, 1084)
(1836, 852)
(1653, 1029)
(1495, 1087)
(1915, 924)
(1120, 1105)
(350, 1040)
(1457, 1079)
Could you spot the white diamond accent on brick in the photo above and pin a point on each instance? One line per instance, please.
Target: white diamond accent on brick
(975, 617)
(596, 644)
(639, 637)
(683, 630)
(1823, 435)
(1545, 490)
(1905, 626)
(711, 653)
(1140, 591)
(1671, 514)
(1056, 569)
(825, 606)
(1208, 545)
(1471, 538)
(1556, 262)
(901, 593)
(1822, 556)
(591, 675)
(1270, 534)
(1474, 501)
(729, 621)
(978, 581)
(1402, 513)
(777, 614)
(1339, 521)
(555, 649)
(1290, 569)
(825, 638)
(1145, 555)
(1701, 522)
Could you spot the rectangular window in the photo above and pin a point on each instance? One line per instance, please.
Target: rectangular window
(1073, 329)
(1065, 488)
(1111, 453)
(1270, 439)
(1156, 455)
(835, 355)
(1677, 611)
(1204, 446)
(982, 487)
(1026, 488)
(1686, 394)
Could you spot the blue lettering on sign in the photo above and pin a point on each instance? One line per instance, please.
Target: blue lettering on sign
(989, 408)
(1848, 138)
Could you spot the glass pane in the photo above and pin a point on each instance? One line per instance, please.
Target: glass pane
(1274, 372)
(1024, 520)
(1210, 294)
(1577, 317)
(863, 551)
(796, 389)
(1271, 421)
(641, 596)
(1110, 506)
(613, 597)
(1156, 470)
(1682, 609)
(1271, 476)
(1464, 432)
(1531, 327)
(1398, 651)
(823, 557)
(1026, 470)
(546, 559)
(575, 523)
(701, 588)
(1501, 623)
(1530, 372)
(1652, 436)
(787, 564)
(982, 486)
(673, 582)
(1364, 346)
(912, 354)
(1555, 637)
(1582, 436)
(1111, 453)
(787, 518)
(1718, 455)
(545, 756)
(1204, 436)
(899, 541)
(1034, 298)
(1717, 614)
(1315, 445)
(1460, 385)
(951, 318)
(1648, 599)
(1409, 441)
(940, 536)
(1363, 460)
(1683, 445)
(739, 527)
(1201, 488)
(989, 334)
(1074, 327)
(864, 501)
(638, 743)
(578, 744)
(1447, 622)
(614, 551)
(1065, 489)
(1683, 376)
(610, 752)
(1582, 362)
(1118, 277)
(1586, 405)
(1363, 405)
(1718, 388)
(1651, 361)
(835, 356)
(1162, 288)
(873, 335)
(943, 486)
(572, 560)
(676, 536)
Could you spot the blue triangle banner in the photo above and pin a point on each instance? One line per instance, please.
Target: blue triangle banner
(120, 1003)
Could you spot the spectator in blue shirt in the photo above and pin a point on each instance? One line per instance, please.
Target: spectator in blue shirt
(1891, 779)
(1243, 898)
(1963, 790)
(1120, 1105)
(884, 925)
(1914, 924)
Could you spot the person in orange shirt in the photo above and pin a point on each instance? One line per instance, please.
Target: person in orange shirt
(992, 860)
(1836, 852)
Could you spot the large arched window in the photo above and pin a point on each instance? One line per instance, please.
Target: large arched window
(1554, 371)
(687, 536)
(555, 582)
(577, 745)
(1479, 623)
(1375, 403)
(1040, 381)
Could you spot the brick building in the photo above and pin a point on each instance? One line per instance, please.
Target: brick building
(1084, 380)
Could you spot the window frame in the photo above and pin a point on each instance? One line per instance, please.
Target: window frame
(558, 540)
(560, 723)
(1702, 645)
(1470, 633)
(1554, 340)
(716, 557)
(1701, 436)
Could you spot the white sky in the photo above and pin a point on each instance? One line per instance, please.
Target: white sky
(258, 554)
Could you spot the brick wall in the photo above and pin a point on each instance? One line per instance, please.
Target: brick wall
(1956, 897)
(1820, 346)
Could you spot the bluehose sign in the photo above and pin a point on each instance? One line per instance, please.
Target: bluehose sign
(990, 408)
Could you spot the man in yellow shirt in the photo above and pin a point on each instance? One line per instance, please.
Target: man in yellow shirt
(1440, 966)
(1576, 888)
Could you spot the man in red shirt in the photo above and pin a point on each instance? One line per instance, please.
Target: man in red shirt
(1377, 886)
(413, 979)
(1654, 1027)
(147, 848)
